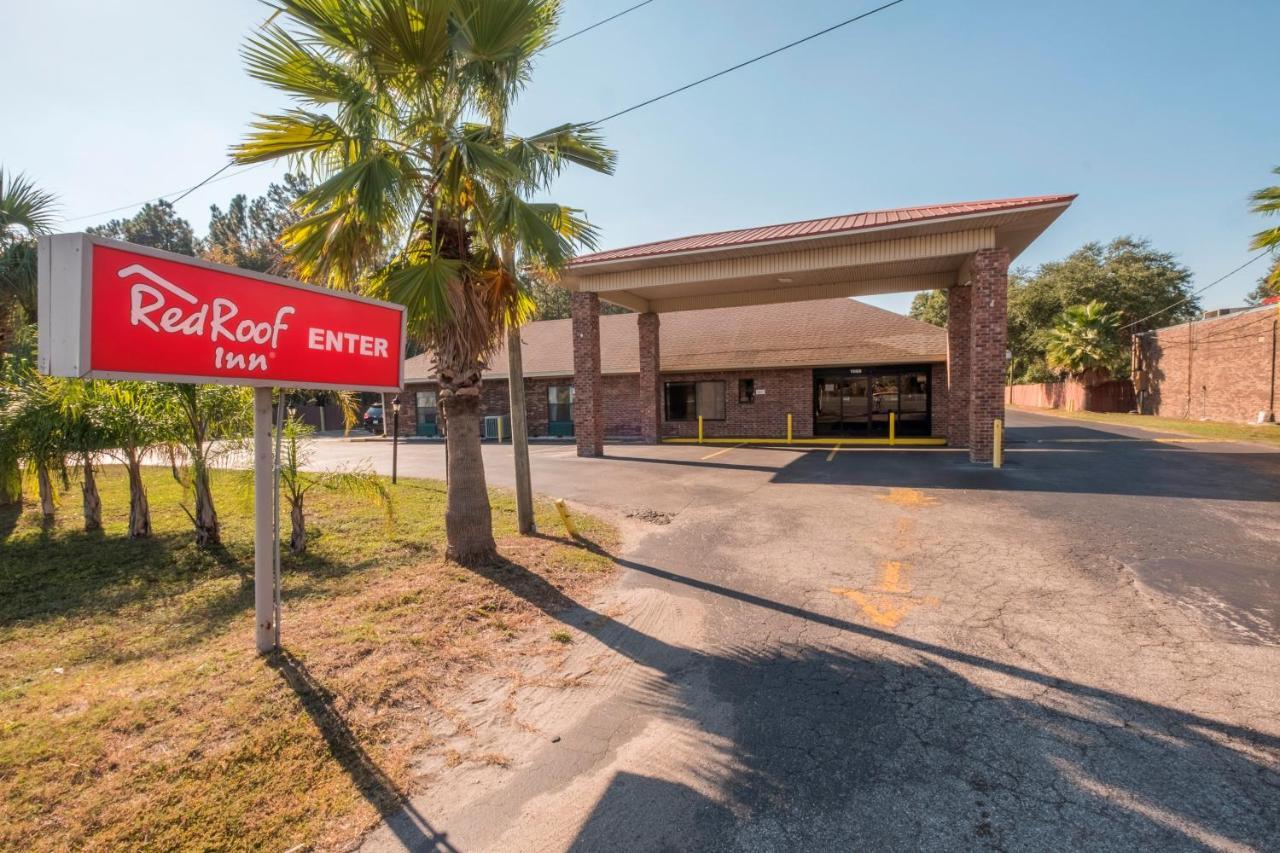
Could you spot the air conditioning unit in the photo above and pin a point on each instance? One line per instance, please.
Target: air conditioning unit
(497, 426)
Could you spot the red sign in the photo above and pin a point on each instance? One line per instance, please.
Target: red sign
(157, 315)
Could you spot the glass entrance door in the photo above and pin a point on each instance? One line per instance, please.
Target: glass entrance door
(856, 401)
(884, 399)
(841, 405)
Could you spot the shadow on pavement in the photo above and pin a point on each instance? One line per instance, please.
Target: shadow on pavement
(409, 827)
(1062, 459)
(822, 747)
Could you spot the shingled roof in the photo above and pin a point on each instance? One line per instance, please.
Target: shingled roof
(796, 334)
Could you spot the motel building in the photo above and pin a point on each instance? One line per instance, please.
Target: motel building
(752, 334)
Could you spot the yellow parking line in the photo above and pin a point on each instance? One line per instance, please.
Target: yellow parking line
(832, 454)
(720, 452)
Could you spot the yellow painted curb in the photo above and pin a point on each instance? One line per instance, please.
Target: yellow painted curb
(818, 442)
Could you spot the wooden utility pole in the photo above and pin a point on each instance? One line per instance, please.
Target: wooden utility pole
(519, 432)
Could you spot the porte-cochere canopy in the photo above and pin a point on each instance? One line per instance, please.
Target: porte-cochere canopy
(964, 248)
(884, 251)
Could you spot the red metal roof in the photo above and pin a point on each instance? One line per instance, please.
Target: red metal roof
(816, 227)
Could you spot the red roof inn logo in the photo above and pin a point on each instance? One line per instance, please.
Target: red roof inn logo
(156, 315)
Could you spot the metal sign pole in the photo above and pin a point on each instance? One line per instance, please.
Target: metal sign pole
(264, 604)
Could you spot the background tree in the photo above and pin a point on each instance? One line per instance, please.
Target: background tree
(930, 306)
(401, 115)
(553, 303)
(1084, 342)
(1267, 286)
(247, 234)
(156, 225)
(204, 421)
(1128, 274)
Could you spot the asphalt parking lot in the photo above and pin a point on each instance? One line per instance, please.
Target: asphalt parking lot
(875, 649)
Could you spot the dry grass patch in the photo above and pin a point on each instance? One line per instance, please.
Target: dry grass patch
(135, 714)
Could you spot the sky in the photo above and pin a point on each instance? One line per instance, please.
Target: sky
(1155, 113)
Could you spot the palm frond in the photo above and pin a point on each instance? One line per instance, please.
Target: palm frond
(24, 206)
(18, 277)
(294, 133)
(424, 285)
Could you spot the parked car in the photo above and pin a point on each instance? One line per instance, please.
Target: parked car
(373, 418)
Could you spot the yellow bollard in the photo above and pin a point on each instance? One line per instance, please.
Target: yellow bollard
(788, 427)
(892, 429)
(997, 444)
(699, 429)
(564, 517)
(499, 430)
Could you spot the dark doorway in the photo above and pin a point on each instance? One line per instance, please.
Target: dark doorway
(857, 401)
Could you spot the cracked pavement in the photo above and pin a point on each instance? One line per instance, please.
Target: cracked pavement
(894, 650)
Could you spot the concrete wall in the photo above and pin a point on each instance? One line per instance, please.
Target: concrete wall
(1221, 369)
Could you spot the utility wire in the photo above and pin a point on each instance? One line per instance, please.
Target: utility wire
(601, 22)
(750, 61)
(1196, 293)
(212, 179)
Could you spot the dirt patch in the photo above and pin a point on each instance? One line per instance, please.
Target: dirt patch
(652, 516)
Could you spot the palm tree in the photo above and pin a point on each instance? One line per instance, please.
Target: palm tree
(297, 483)
(134, 418)
(202, 420)
(420, 196)
(26, 212)
(1085, 341)
(81, 403)
(1267, 202)
(38, 430)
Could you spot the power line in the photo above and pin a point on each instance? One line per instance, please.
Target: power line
(1196, 293)
(750, 61)
(212, 179)
(586, 29)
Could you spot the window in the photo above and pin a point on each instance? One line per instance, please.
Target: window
(746, 390)
(687, 400)
(426, 407)
(560, 404)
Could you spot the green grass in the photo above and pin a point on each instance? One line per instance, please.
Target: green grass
(1259, 433)
(135, 714)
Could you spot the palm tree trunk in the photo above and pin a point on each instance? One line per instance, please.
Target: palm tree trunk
(46, 492)
(468, 521)
(92, 501)
(10, 482)
(298, 526)
(206, 517)
(139, 509)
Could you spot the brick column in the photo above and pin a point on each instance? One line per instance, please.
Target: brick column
(650, 378)
(989, 326)
(588, 389)
(958, 354)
